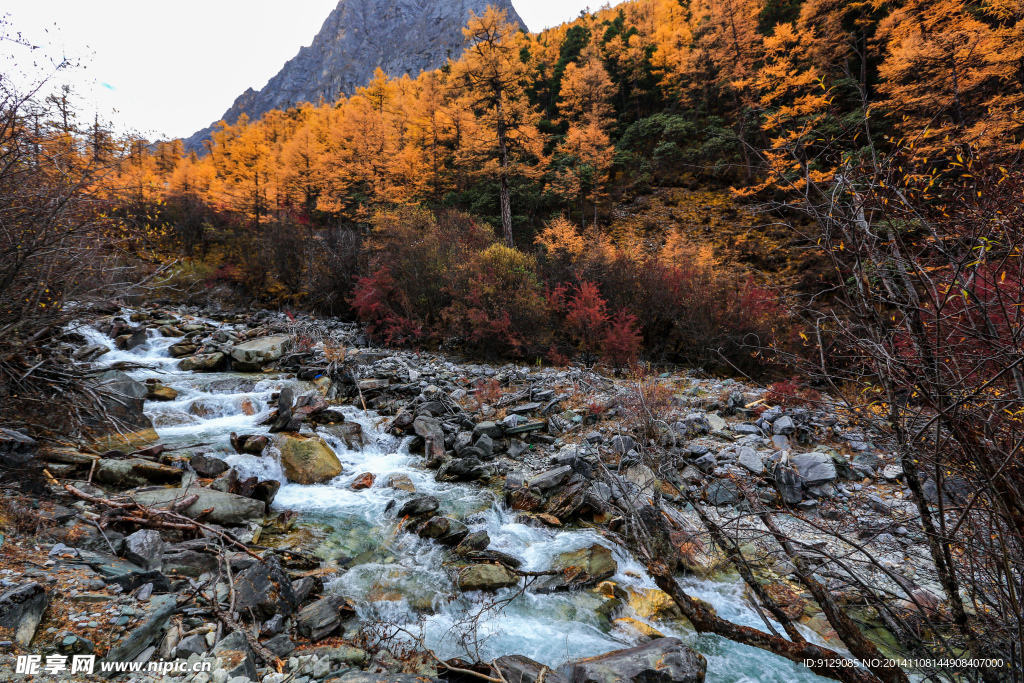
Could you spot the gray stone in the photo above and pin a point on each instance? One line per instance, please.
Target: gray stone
(208, 467)
(189, 645)
(815, 468)
(124, 400)
(237, 656)
(320, 619)
(227, 508)
(491, 429)
(433, 436)
(420, 505)
(367, 677)
(273, 625)
(789, 485)
(251, 356)
(478, 540)
(706, 463)
(665, 660)
(145, 548)
(281, 645)
(21, 610)
(486, 577)
(783, 426)
(750, 460)
(203, 362)
(444, 529)
(135, 472)
(520, 669)
(551, 478)
(746, 429)
(578, 569)
(264, 589)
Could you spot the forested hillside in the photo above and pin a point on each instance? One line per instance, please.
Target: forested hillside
(610, 187)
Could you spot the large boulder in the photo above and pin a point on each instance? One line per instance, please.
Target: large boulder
(579, 568)
(815, 468)
(226, 509)
(265, 589)
(307, 459)
(251, 356)
(486, 577)
(21, 610)
(665, 660)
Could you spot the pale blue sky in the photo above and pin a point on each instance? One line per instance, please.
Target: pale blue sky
(171, 68)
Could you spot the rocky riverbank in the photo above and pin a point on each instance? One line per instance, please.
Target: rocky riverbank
(176, 537)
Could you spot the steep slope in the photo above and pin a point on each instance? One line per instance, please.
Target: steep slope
(399, 36)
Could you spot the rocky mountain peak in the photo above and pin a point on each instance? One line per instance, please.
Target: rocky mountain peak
(399, 36)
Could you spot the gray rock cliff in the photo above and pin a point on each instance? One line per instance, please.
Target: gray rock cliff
(399, 36)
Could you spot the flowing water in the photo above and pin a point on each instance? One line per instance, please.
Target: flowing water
(400, 576)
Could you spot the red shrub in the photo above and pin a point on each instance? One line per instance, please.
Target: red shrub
(621, 342)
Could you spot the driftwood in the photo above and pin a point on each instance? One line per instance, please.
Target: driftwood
(151, 517)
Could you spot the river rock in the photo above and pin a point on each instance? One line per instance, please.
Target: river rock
(420, 505)
(783, 426)
(158, 392)
(265, 589)
(522, 669)
(307, 460)
(203, 362)
(665, 660)
(90, 352)
(227, 509)
(21, 610)
(368, 677)
(815, 468)
(577, 569)
(350, 433)
(280, 645)
(433, 437)
(251, 356)
(363, 481)
(402, 482)
(127, 342)
(320, 619)
(191, 645)
(444, 529)
(486, 577)
(236, 656)
(145, 548)
(478, 540)
(207, 466)
(181, 349)
(135, 472)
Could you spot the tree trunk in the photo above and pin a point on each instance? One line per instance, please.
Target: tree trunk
(506, 196)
